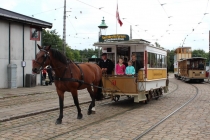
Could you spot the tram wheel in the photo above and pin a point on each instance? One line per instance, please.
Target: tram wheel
(157, 94)
(116, 98)
(128, 96)
(161, 91)
(148, 97)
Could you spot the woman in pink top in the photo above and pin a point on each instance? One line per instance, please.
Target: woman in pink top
(120, 67)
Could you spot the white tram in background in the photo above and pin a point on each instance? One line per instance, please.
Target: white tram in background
(151, 80)
(180, 53)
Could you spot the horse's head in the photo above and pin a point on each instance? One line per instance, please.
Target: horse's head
(42, 59)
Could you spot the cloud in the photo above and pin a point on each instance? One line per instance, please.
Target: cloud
(9, 5)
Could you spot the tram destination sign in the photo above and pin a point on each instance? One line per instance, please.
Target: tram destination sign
(116, 37)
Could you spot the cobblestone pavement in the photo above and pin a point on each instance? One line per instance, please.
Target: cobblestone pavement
(18, 105)
(120, 120)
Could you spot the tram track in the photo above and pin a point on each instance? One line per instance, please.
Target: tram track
(50, 116)
(168, 116)
(25, 116)
(30, 98)
(113, 116)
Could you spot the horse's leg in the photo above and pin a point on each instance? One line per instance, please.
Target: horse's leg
(76, 102)
(92, 104)
(61, 99)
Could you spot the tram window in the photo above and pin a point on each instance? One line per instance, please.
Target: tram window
(156, 60)
(111, 57)
(148, 60)
(153, 60)
(163, 61)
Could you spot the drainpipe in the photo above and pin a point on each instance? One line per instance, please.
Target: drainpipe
(41, 45)
(23, 58)
(9, 44)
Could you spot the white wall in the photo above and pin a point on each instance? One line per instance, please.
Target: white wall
(4, 45)
(16, 40)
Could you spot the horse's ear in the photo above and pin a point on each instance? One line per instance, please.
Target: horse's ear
(39, 46)
(47, 48)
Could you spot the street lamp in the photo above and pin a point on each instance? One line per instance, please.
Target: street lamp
(101, 27)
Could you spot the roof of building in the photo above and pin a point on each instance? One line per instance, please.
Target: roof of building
(12, 16)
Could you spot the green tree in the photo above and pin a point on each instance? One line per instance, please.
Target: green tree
(170, 60)
(199, 53)
(52, 38)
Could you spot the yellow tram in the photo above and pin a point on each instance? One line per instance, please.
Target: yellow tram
(193, 69)
(150, 81)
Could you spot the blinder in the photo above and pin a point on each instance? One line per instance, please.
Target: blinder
(46, 55)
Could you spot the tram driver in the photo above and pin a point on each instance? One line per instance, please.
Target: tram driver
(106, 65)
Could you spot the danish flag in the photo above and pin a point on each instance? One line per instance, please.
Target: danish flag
(118, 17)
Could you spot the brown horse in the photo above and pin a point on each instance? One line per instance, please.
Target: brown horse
(69, 77)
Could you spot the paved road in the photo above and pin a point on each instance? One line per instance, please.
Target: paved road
(120, 120)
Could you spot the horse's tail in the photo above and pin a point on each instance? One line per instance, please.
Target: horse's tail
(99, 94)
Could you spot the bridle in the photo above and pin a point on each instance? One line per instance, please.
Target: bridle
(46, 55)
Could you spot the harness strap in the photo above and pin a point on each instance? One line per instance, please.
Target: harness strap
(75, 80)
(82, 75)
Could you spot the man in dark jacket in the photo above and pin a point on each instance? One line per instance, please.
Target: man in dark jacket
(106, 65)
(136, 63)
(49, 71)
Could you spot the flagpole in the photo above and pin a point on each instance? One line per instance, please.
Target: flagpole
(116, 18)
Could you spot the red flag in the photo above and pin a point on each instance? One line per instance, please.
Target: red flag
(118, 17)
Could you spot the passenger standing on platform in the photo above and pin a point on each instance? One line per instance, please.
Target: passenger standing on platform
(136, 63)
(106, 65)
(130, 70)
(120, 67)
(44, 73)
(49, 71)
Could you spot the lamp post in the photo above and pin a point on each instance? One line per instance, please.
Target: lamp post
(101, 27)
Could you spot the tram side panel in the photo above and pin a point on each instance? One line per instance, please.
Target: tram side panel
(156, 78)
(120, 85)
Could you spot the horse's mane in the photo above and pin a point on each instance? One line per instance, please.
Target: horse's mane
(58, 55)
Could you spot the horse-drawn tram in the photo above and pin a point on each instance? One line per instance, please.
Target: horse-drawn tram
(148, 82)
(193, 69)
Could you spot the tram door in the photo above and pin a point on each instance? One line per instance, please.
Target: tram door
(124, 53)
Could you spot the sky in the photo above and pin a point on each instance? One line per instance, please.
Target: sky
(171, 23)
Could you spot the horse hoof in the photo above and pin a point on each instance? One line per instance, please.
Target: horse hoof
(89, 112)
(58, 122)
(79, 116)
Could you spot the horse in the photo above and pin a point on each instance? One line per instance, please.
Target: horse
(69, 77)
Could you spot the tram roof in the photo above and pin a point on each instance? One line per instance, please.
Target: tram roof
(12, 16)
(126, 43)
(193, 58)
(183, 48)
(129, 42)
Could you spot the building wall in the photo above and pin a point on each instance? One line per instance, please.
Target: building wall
(4, 43)
(16, 51)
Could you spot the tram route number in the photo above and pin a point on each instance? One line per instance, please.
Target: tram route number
(114, 82)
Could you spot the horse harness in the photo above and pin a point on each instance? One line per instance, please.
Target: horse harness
(72, 79)
(47, 55)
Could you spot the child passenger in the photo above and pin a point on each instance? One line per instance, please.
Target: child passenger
(130, 70)
(120, 67)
